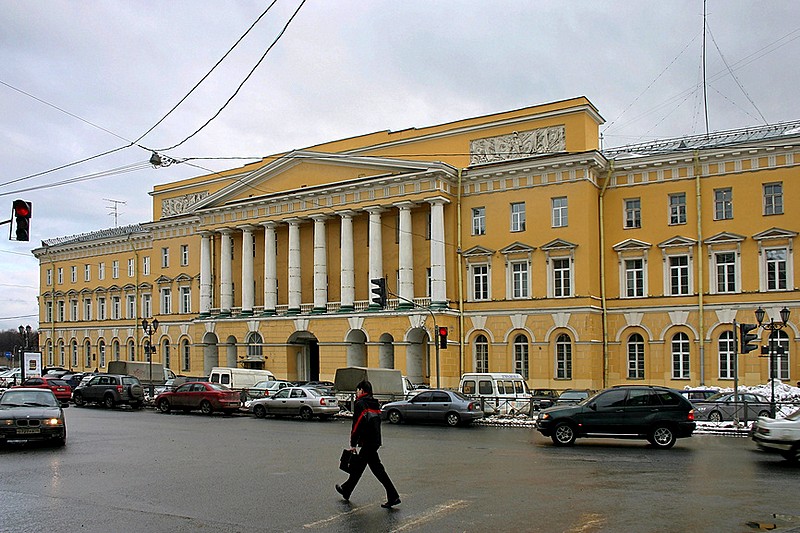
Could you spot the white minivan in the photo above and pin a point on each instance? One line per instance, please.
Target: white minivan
(499, 393)
(238, 378)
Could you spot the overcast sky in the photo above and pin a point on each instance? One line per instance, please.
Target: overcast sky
(81, 78)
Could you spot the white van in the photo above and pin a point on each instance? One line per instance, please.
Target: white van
(498, 393)
(239, 378)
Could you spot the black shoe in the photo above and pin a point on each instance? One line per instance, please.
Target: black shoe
(340, 490)
(391, 503)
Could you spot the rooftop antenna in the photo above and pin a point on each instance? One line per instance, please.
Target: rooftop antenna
(705, 89)
(114, 208)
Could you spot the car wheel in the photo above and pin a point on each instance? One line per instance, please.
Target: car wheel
(395, 417)
(260, 411)
(563, 434)
(765, 414)
(78, 399)
(306, 413)
(662, 437)
(206, 408)
(108, 401)
(715, 416)
(453, 419)
(163, 406)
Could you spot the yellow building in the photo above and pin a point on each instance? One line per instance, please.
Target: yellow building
(538, 251)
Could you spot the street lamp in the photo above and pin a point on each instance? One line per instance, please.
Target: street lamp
(772, 326)
(150, 328)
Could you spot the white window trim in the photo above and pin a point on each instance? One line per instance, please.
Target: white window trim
(551, 274)
(762, 267)
(471, 288)
(666, 256)
(510, 279)
(623, 280)
(714, 275)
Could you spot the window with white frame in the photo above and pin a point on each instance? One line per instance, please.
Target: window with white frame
(115, 269)
(677, 208)
(146, 266)
(101, 352)
(779, 347)
(478, 220)
(62, 356)
(519, 279)
(87, 353)
(481, 350)
(775, 259)
(61, 311)
(680, 356)
(723, 204)
(131, 267)
(678, 275)
(165, 355)
(73, 310)
(147, 306)
(480, 282)
(48, 311)
(131, 351)
(727, 355)
(562, 277)
(563, 357)
(725, 268)
(74, 274)
(116, 307)
(633, 213)
(186, 354)
(48, 277)
(130, 306)
(185, 254)
(428, 282)
(521, 355)
(773, 198)
(166, 301)
(165, 258)
(101, 271)
(60, 275)
(186, 300)
(115, 350)
(635, 357)
(74, 351)
(87, 272)
(518, 216)
(101, 308)
(559, 212)
(87, 308)
(634, 278)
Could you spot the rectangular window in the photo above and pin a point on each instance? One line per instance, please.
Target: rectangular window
(562, 285)
(165, 258)
(87, 272)
(87, 309)
(166, 301)
(479, 221)
(101, 308)
(147, 306)
(115, 269)
(773, 199)
(73, 310)
(559, 212)
(60, 275)
(776, 269)
(480, 282)
(726, 271)
(101, 271)
(634, 278)
(131, 267)
(677, 208)
(48, 311)
(49, 277)
(519, 279)
(633, 213)
(74, 274)
(116, 308)
(146, 266)
(185, 254)
(518, 216)
(61, 311)
(186, 300)
(723, 204)
(130, 306)
(679, 275)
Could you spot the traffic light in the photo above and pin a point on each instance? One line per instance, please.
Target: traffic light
(22, 218)
(746, 339)
(379, 290)
(442, 337)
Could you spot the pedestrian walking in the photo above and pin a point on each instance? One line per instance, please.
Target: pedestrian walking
(366, 434)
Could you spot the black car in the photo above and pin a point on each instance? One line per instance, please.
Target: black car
(658, 414)
(32, 414)
(110, 390)
(543, 398)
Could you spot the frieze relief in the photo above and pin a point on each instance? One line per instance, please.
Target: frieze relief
(180, 204)
(516, 145)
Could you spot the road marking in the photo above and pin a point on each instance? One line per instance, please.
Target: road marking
(325, 521)
(434, 513)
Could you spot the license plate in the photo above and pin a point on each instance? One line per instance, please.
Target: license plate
(28, 431)
(61, 389)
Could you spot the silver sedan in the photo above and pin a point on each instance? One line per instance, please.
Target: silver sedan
(723, 406)
(450, 407)
(296, 401)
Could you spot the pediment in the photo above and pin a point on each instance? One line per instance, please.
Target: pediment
(129, 287)
(85, 292)
(163, 279)
(145, 286)
(775, 233)
(517, 248)
(72, 292)
(631, 244)
(677, 241)
(183, 277)
(478, 251)
(99, 289)
(724, 238)
(559, 244)
(113, 288)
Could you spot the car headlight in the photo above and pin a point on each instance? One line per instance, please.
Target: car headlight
(8, 422)
(53, 422)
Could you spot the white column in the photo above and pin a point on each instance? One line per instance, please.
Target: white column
(438, 271)
(270, 269)
(347, 269)
(226, 277)
(295, 281)
(205, 273)
(375, 248)
(248, 289)
(406, 257)
(320, 265)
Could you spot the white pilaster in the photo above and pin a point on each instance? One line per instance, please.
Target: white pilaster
(320, 265)
(205, 273)
(438, 271)
(226, 273)
(248, 288)
(270, 269)
(347, 269)
(375, 247)
(295, 281)
(406, 256)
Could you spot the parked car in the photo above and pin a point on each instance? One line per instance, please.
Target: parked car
(202, 395)
(658, 414)
(325, 386)
(438, 406)
(32, 414)
(10, 377)
(780, 435)
(543, 398)
(722, 406)
(296, 401)
(74, 379)
(109, 390)
(60, 388)
(266, 388)
(698, 395)
(572, 396)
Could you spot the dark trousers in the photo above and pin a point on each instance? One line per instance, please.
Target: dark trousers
(369, 457)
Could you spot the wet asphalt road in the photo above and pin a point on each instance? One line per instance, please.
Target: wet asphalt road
(129, 471)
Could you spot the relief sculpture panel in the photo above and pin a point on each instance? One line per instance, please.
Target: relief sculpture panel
(518, 144)
(180, 204)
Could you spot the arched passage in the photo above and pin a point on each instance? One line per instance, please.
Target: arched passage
(356, 348)
(305, 348)
(230, 352)
(386, 351)
(210, 352)
(418, 356)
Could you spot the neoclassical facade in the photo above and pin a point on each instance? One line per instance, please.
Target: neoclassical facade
(541, 253)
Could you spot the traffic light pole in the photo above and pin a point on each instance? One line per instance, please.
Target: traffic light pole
(736, 370)
(435, 332)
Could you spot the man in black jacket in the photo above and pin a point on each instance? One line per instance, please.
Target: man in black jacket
(366, 433)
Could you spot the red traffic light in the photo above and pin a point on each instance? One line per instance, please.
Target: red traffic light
(443, 337)
(443, 330)
(22, 208)
(22, 218)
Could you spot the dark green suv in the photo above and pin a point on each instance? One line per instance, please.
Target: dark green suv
(110, 390)
(658, 414)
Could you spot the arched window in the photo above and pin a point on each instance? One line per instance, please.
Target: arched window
(635, 357)
(563, 357)
(779, 347)
(74, 354)
(87, 354)
(62, 356)
(680, 356)
(481, 352)
(131, 350)
(254, 348)
(101, 350)
(185, 354)
(115, 349)
(521, 355)
(165, 355)
(49, 348)
(727, 355)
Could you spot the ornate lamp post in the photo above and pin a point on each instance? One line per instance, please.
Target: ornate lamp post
(150, 328)
(772, 326)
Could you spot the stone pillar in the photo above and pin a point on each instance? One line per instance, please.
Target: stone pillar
(295, 281)
(347, 269)
(270, 269)
(320, 265)
(375, 249)
(226, 274)
(205, 273)
(248, 290)
(438, 271)
(406, 257)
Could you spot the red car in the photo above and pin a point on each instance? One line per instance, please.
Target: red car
(202, 395)
(60, 388)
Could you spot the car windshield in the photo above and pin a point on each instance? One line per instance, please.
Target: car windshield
(460, 396)
(217, 386)
(573, 395)
(717, 397)
(17, 398)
